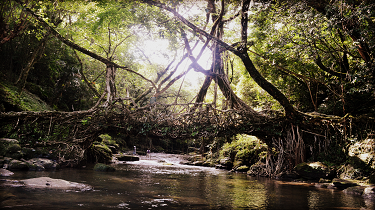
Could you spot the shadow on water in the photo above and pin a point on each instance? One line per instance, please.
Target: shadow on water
(153, 185)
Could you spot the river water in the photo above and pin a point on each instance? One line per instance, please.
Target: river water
(155, 184)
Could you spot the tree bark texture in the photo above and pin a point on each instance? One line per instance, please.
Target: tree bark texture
(110, 79)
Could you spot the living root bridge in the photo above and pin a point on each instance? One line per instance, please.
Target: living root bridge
(157, 120)
(70, 134)
(74, 132)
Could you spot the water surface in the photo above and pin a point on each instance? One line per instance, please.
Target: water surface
(148, 184)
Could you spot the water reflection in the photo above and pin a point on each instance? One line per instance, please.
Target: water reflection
(150, 185)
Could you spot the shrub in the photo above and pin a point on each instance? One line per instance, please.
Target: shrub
(244, 150)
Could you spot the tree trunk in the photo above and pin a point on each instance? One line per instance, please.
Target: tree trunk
(267, 86)
(89, 84)
(110, 79)
(21, 81)
(258, 78)
(202, 93)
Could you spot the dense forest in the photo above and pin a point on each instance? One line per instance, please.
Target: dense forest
(254, 85)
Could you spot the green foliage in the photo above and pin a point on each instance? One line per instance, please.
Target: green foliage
(108, 140)
(254, 95)
(100, 153)
(290, 41)
(244, 149)
(11, 100)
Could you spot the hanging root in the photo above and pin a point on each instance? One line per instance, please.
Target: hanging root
(288, 152)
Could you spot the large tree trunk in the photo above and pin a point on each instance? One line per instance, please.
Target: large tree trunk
(110, 79)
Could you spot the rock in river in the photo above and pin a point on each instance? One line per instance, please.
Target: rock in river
(41, 164)
(4, 172)
(60, 184)
(18, 165)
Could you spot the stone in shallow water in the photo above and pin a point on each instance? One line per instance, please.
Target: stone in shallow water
(18, 165)
(41, 164)
(60, 184)
(4, 172)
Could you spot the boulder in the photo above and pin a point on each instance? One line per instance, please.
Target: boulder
(243, 168)
(49, 183)
(42, 163)
(341, 184)
(103, 167)
(100, 153)
(356, 190)
(113, 149)
(18, 165)
(13, 148)
(354, 169)
(226, 162)
(369, 192)
(4, 172)
(4, 162)
(314, 170)
(364, 151)
(8, 146)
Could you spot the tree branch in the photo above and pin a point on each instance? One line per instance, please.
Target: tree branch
(254, 73)
(81, 49)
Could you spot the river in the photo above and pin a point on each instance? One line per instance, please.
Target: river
(162, 183)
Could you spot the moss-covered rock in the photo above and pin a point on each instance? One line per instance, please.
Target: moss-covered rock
(243, 150)
(14, 148)
(100, 153)
(109, 142)
(314, 171)
(41, 164)
(243, 168)
(8, 146)
(18, 165)
(103, 167)
(342, 184)
(355, 168)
